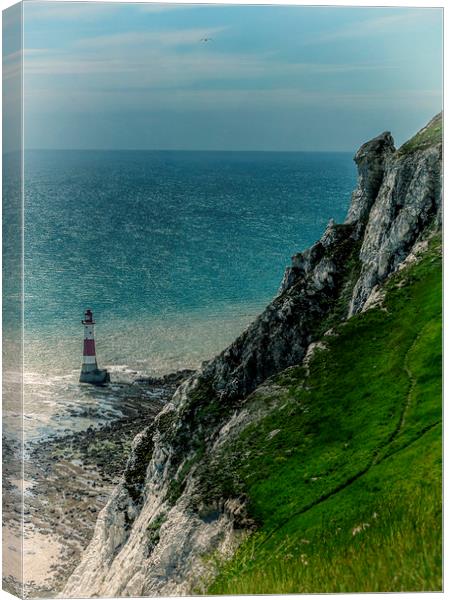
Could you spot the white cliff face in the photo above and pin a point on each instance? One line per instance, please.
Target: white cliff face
(152, 536)
(146, 545)
(408, 201)
(134, 568)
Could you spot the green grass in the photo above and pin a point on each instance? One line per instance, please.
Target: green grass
(153, 532)
(429, 136)
(347, 494)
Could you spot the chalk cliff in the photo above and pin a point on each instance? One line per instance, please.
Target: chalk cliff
(165, 514)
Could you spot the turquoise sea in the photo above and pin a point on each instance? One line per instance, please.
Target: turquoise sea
(175, 252)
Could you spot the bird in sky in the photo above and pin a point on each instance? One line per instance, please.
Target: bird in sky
(205, 40)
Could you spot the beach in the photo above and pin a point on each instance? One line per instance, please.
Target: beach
(68, 478)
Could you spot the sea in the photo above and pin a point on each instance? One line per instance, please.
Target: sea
(175, 253)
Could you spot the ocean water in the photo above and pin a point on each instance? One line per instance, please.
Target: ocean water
(175, 252)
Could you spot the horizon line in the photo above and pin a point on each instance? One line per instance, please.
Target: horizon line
(171, 150)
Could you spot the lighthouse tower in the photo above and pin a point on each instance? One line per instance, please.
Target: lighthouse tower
(90, 373)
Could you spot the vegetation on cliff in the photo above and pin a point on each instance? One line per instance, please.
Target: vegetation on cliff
(426, 137)
(344, 477)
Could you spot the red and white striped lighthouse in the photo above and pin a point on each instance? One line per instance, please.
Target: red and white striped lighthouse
(90, 373)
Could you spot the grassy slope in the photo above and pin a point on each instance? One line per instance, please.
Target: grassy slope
(430, 135)
(347, 493)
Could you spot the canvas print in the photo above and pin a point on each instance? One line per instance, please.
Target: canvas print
(222, 238)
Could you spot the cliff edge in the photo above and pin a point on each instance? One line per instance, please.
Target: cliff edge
(178, 499)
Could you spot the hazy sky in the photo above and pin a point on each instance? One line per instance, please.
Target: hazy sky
(271, 78)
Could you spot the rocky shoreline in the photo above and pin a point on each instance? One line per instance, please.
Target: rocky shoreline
(68, 479)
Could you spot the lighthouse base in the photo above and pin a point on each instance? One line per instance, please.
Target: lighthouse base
(95, 376)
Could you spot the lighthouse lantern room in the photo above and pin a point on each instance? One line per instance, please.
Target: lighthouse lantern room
(90, 373)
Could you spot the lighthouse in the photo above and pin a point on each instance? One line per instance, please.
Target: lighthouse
(90, 373)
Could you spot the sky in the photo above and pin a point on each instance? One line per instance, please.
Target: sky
(139, 76)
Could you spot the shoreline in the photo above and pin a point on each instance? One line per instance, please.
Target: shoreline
(68, 479)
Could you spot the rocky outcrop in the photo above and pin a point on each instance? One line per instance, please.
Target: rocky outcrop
(371, 160)
(407, 202)
(161, 520)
